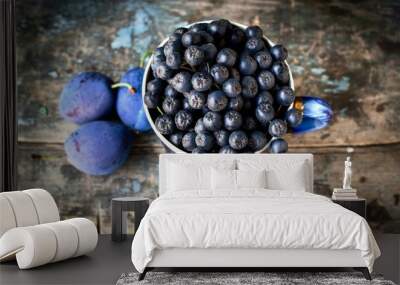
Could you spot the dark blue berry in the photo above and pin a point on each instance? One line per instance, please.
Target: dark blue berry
(232, 87)
(238, 140)
(174, 60)
(205, 140)
(236, 38)
(266, 80)
(254, 32)
(199, 127)
(194, 55)
(257, 140)
(176, 139)
(222, 137)
(217, 101)
(277, 128)
(155, 86)
(189, 141)
(284, 96)
(265, 113)
(172, 46)
(219, 28)
(190, 39)
(183, 120)
(159, 56)
(227, 57)
(151, 99)
(165, 124)
(264, 97)
(201, 81)
(278, 146)
(236, 103)
(163, 71)
(170, 92)
(210, 51)
(206, 37)
(199, 27)
(249, 87)
(294, 117)
(253, 45)
(279, 52)
(264, 59)
(220, 73)
(182, 82)
(171, 105)
(212, 121)
(232, 120)
(247, 64)
(196, 99)
(281, 72)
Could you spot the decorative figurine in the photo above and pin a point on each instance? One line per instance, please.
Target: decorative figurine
(347, 174)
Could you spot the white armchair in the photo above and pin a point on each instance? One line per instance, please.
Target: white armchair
(31, 230)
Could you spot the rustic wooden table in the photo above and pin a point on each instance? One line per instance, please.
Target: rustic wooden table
(345, 52)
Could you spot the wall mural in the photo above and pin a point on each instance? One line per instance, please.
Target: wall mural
(344, 53)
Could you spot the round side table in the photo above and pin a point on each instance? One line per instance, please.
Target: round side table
(119, 207)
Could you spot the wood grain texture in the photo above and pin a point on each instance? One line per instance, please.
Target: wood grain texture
(347, 53)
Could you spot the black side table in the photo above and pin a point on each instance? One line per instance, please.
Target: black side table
(358, 206)
(119, 208)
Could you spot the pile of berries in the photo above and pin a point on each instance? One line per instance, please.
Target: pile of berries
(218, 88)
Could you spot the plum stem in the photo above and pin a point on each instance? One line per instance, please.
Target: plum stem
(123, 84)
(298, 104)
(159, 110)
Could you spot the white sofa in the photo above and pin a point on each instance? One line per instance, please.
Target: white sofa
(31, 231)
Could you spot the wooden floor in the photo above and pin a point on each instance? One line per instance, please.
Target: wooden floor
(110, 260)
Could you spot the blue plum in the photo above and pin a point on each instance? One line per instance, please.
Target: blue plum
(99, 147)
(129, 104)
(86, 97)
(317, 114)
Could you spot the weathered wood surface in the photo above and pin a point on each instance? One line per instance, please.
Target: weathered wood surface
(347, 53)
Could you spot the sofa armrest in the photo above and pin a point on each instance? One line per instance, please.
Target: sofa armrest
(40, 244)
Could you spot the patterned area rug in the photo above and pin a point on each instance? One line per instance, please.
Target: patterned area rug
(243, 278)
